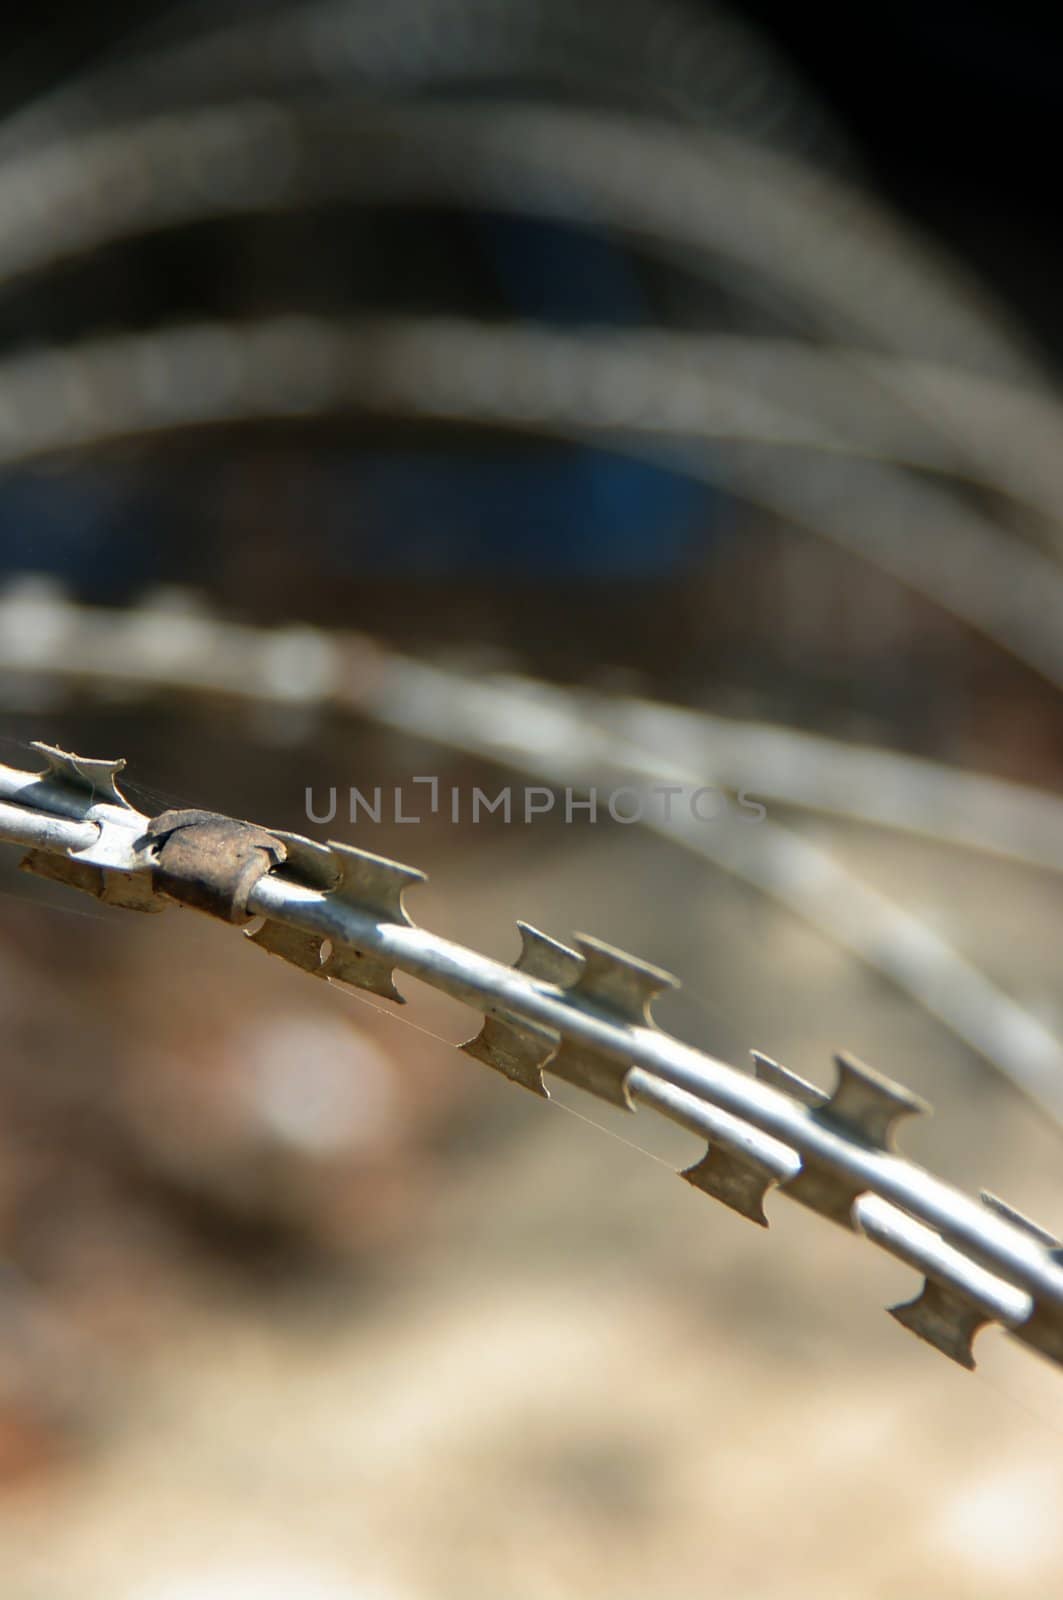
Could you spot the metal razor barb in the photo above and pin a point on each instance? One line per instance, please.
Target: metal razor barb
(582, 1014)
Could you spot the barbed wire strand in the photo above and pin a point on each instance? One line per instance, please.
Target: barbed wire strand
(582, 1014)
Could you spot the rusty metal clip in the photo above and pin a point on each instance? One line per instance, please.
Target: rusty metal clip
(209, 861)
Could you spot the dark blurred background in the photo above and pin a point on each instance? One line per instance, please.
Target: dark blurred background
(946, 114)
(952, 107)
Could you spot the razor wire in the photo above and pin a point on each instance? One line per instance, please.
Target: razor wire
(701, 65)
(584, 739)
(581, 1014)
(627, 393)
(708, 201)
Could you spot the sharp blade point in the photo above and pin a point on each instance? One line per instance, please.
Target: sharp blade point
(737, 1181)
(98, 777)
(620, 983)
(868, 1104)
(778, 1077)
(546, 959)
(944, 1319)
(519, 1053)
(373, 883)
(1001, 1208)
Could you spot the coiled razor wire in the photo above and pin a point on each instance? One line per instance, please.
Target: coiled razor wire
(712, 202)
(628, 392)
(585, 740)
(698, 65)
(582, 1014)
